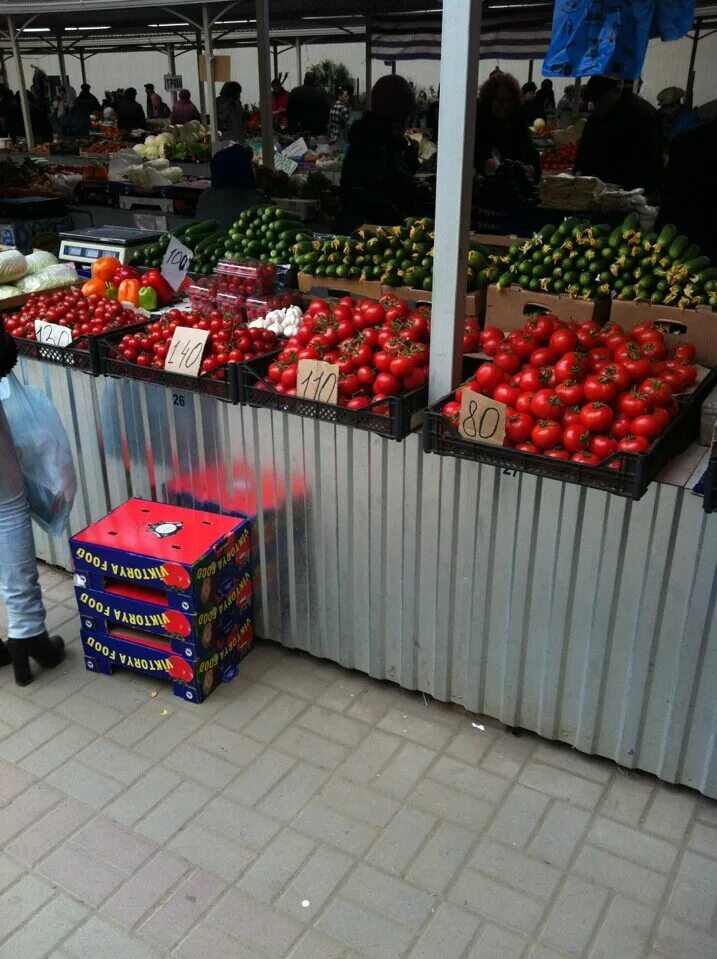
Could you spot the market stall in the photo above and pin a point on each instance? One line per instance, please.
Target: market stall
(551, 597)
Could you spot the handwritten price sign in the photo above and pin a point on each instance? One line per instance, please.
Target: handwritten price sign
(316, 380)
(481, 419)
(176, 263)
(52, 333)
(186, 350)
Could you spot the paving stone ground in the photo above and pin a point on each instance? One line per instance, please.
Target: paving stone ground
(307, 812)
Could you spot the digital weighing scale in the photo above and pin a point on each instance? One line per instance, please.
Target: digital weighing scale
(85, 246)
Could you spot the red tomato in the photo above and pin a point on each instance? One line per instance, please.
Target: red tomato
(571, 415)
(653, 349)
(374, 314)
(647, 425)
(663, 417)
(288, 377)
(547, 405)
(540, 327)
(521, 343)
(633, 403)
(543, 356)
(451, 411)
(641, 330)
(401, 366)
(570, 366)
(527, 448)
(491, 340)
(634, 444)
(563, 341)
(488, 376)
(597, 356)
(382, 361)
(546, 434)
(588, 334)
(507, 360)
(365, 375)
(386, 384)
(585, 457)
(599, 388)
(658, 392)
(603, 445)
(637, 365)
(621, 426)
(596, 417)
(576, 437)
(682, 353)
(361, 402)
(518, 426)
(558, 453)
(571, 392)
(616, 372)
(524, 403)
(505, 393)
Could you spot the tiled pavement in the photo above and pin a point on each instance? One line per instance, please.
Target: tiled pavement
(308, 812)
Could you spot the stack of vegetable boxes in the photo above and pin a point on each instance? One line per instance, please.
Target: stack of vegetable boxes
(166, 591)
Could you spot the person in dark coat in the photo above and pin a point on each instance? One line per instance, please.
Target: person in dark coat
(88, 100)
(501, 130)
(621, 140)
(233, 187)
(230, 114)
(308, 109)
(377, 178)
(130, 115)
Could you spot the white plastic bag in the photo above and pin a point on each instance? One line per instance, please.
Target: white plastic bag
(43, 451)
(12, 266)
(51, 278)
(39, 260)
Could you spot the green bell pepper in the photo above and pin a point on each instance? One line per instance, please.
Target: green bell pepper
(148, 298)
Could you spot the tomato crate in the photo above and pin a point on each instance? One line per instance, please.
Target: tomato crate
(402, 413)
(113, 364)
(83, 355)
(630, 477)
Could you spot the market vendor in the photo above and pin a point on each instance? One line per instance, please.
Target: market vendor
(233, 187)
(674, 115)
(621, 140)
(377, 179)
(307, 108)
(501, 129)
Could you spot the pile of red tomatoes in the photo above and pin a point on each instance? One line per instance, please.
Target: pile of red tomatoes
(229, 341)
(381, 349)
(83, 315)
(581, 392)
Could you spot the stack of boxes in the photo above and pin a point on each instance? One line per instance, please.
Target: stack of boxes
(167, 591)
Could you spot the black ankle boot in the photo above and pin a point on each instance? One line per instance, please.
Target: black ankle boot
(47, 651)
(4, 654)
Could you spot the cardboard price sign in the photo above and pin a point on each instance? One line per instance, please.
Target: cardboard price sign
(186, 350)
(52, 333)
(296, 149)
(176, 263)
(317, 380)
(481, 419)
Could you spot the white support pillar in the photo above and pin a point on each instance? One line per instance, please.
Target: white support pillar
(369, 83)
(297, 44)
(30, 139)
(209, 67)
(172, 68)
(61, 59)
(456, 135)
(264, 55)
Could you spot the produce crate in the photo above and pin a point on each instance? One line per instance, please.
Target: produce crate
(506, 308)
(402, 417)
(631, 478)
(333, 285)
(86, 357)
(475, 302)
(699, 326)
(111, 364)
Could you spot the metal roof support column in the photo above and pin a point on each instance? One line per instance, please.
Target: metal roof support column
(21, 80)
(172, 67)
(297, 44)
(61, 59)
(83, 71)
(264, 54)
(209, 73)
(368, 63)
(460, 42)
(202, 98)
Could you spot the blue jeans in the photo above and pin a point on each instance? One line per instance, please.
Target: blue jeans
(19, 585)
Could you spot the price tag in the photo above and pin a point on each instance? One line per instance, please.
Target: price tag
(186, 350)
(481, 419)
(317, 380)
(285, 164)
(296, 149)
(52, 333)
(176, 263)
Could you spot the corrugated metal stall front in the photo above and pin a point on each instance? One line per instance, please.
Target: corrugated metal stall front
(571, 612)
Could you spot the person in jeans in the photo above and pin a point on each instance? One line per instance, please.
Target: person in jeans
(19, 585)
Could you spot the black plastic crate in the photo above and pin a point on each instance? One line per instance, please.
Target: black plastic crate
(402, 417)
(85, 357)
(632, 476)
(112, 364)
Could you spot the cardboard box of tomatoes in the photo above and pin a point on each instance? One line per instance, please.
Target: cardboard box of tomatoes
(587, 403)
(508, 308)
(697, 326)
(165, 590)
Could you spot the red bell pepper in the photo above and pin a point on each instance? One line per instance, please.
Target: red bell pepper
(154, 278)
(124, 273)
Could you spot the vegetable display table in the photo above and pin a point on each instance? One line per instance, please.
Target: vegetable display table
(580, 615)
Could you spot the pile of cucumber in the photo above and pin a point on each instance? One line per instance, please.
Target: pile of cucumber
(265, 233)
(393, 255)
(597, 262)
(205, 239)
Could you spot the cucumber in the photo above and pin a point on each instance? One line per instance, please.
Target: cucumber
(667, 235)
(679, 244)
(505, 279)
(615, 238)
(631, 222)
(696, 264)
(200, 229)
(208, 242)
(708, 275)
(691, 252)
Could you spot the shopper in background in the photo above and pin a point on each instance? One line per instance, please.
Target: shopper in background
(70, 93)
(674, 115)
(501, 129)
(157, 109)
(233, 187)
(566, 106)
(530, 107)
(279, 103)
(545, 100)
(184, 111)
(230, 115)
(377, 178)
(19, 584)
(338, 124)
(88, 100)
(308, 109)
(130, 115)
(621, 140)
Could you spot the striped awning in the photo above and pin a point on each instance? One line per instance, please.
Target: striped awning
(522, 34)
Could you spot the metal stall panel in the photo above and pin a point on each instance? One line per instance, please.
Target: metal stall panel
(582, 616)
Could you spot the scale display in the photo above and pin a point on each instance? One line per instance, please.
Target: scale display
(85, 246)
